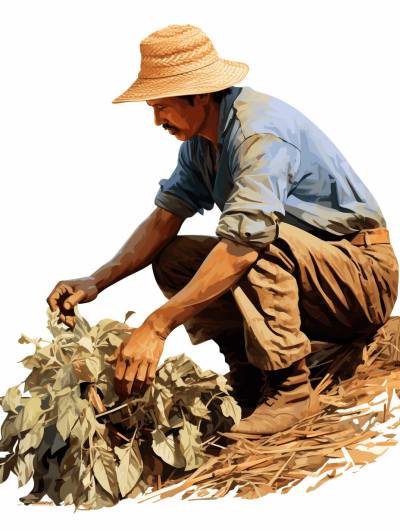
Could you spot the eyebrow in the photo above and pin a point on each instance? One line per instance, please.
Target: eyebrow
(156, 104)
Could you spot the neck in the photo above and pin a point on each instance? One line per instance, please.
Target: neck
(209, 127)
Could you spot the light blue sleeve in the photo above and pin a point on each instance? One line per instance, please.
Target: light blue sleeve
(262, 169)
(185, 192)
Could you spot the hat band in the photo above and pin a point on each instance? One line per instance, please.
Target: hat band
(181, 73)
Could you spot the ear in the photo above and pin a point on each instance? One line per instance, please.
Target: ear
(202, 99)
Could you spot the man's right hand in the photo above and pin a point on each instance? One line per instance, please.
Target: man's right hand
(67, 294)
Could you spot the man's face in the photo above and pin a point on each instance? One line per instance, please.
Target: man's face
(178, 116)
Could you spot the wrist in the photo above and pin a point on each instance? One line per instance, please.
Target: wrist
(101, 280)
(159, 323)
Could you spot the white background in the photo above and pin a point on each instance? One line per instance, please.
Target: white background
(79, 174)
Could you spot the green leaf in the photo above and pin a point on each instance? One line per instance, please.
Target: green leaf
(12, 399)
(69, 407)
(29, 415)
(190, 445)
(105, 470)
(230, 408)
(130, 467)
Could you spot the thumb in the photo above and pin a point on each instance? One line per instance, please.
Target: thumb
(114, 357)
(74, 299)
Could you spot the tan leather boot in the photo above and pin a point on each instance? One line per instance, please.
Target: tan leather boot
(287, 397)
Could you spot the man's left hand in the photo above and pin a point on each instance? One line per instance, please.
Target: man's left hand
(136, 360)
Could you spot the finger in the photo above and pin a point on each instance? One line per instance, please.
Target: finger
(129, 378)
(151, 373)
(74, 299)
(119, 376)
(70, 321)
(114, 357)
(140, 377)
(54, 297)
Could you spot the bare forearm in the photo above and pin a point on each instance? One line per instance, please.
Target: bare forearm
(224, 266)
(141, 248)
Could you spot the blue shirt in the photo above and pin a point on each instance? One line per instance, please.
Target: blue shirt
(273, 164)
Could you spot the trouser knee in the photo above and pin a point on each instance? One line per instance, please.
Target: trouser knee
(179, 261)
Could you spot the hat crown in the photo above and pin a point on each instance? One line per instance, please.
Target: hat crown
(175, 50)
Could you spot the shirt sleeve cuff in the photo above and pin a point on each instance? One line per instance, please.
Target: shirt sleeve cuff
(244, 229)
(175, 205)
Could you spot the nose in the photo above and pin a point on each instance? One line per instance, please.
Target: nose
(158, 120)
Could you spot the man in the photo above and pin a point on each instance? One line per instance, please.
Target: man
(302, 250)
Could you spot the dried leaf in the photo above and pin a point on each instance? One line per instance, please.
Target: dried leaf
(128, 314)
(167, 448)
(29, 415)
(162, 405)
(87, 344)
(69, 407)
(230, 408)
(130, 467)
(7, 464)
(87, 369)
(33, 438)
(66, 377)
(85, 427)
(190, 445)
(24, 468)
(104, 468)
(8, 434)
(12, 399)
(25, 339)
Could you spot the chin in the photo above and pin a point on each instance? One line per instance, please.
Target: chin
(183, 136)
(180, 136)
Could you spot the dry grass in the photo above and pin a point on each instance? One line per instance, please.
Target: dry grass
(347, 378)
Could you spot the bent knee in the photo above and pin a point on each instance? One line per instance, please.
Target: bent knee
(179, 261)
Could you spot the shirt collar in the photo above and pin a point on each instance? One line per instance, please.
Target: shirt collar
(224, 114)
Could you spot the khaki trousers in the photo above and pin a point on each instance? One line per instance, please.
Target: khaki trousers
(301, 288)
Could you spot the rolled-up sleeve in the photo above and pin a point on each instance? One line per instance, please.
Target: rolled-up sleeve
(185, 192)
(261, 167)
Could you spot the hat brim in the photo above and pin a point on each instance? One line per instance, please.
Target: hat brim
(217, 76)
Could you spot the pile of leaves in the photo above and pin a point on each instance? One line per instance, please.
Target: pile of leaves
(85, 446)
(81, 443)
(351, 430)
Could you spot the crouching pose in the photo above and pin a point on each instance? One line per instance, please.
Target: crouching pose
(302, 251)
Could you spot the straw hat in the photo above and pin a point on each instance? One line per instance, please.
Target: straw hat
(181, 60)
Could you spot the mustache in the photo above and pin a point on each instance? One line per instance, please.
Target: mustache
(168, 127)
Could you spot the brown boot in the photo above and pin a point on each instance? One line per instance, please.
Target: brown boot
(286, 398)
(245, 379)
